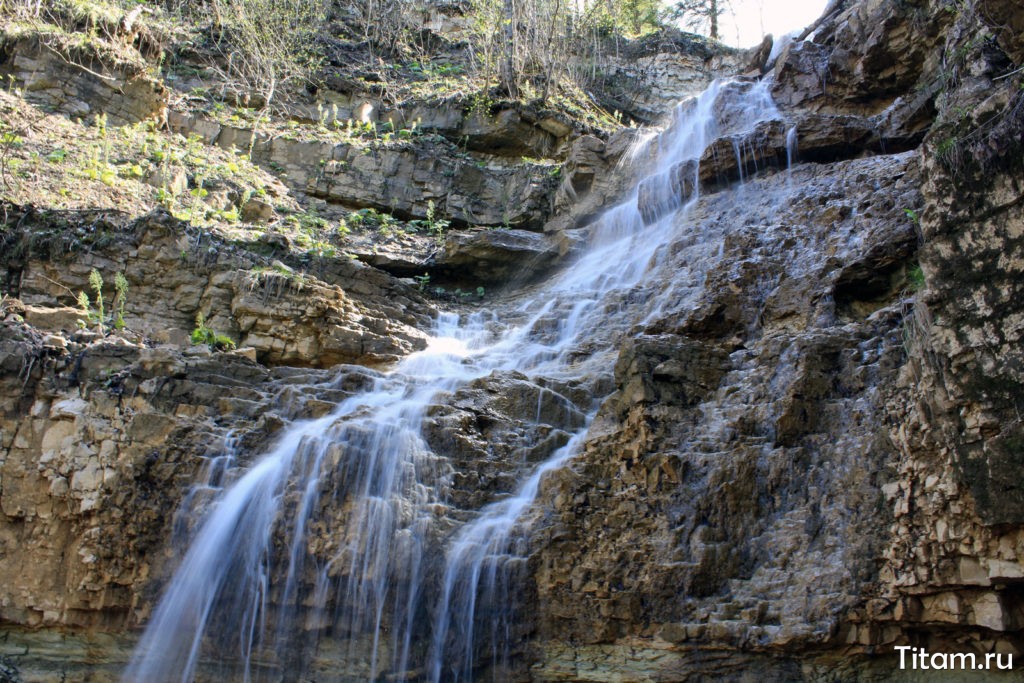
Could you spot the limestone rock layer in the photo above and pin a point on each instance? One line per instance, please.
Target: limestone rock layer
(809, 455)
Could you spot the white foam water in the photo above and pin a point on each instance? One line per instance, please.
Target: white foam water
(239, 606)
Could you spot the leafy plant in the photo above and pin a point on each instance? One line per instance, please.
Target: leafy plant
(93, 310)
(435, 226)
(84, 305)
(9, 141)
(229, 215)
(165, 197)
(203, 334)
(120, 297)
(96, 284)
(132, 171)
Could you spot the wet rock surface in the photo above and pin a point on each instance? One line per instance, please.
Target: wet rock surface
(892, 392)
(593, 179)
(496, 428)
(744, 443)
(101, 478)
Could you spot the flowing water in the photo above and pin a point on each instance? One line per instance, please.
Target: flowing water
(341, 543)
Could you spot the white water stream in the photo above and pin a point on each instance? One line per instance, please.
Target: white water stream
(375, 604)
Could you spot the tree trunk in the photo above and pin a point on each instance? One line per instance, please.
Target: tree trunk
(714, 19)
(508, 72)
(549, 55)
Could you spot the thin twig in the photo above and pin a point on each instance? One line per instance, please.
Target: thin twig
(1015, 71)
(80, 66)
(53, 282)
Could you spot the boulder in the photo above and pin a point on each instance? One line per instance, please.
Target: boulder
(53, 318)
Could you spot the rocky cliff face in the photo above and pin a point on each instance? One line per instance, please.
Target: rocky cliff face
(958, 503)
(808, 455)
(844, 403)
(345, 313)
(730, 497)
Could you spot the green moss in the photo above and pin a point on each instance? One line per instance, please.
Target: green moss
(915, 278)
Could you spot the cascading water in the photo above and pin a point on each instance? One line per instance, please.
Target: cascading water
(264, 587)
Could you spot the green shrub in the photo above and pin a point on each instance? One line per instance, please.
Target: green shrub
(203, 334)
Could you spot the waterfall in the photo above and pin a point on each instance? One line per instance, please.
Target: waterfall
(268, 580)
(791, 149)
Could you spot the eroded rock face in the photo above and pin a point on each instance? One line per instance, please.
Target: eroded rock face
(345, 312)
(865, 55)
(655, 72)
(90, 481)
(67, 84)
(880, 60)
(727, 494)
(405, 179)
(499, 255)
(956, 542)
(805, 458)
(920, 384)
(491, 433)
(594, 179)
(100, 445)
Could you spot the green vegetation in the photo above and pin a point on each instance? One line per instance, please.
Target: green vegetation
(47, 160)
(550, 169)
(457, 295)
(121, 290)
(371, 218)
(203, 334)
(433, 224)
(83, 31)
(915, 277)
(279, 274)
(9, 142)
(460, 295)
(258, 46)
(93, 310)
(245, 63)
